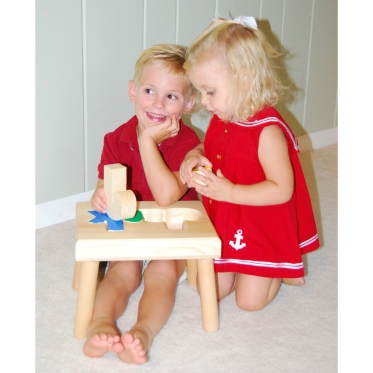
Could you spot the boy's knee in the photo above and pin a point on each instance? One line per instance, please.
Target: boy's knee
(125, 270)
(162, 270)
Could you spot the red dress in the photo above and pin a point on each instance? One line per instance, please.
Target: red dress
(263, 241)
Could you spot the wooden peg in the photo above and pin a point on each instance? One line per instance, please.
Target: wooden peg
(121, 203)
(197, 171)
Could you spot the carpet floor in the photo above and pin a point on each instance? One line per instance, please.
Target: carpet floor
(297, 332)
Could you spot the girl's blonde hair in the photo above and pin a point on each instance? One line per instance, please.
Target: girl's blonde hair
(249, 58)
(170, 57)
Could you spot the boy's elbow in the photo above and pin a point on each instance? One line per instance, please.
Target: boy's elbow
(164, 200)
(167, 196)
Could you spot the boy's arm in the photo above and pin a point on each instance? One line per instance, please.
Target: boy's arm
(98, 200)
(164, 184)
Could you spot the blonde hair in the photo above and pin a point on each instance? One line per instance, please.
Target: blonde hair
(249, 58)
(170, 57)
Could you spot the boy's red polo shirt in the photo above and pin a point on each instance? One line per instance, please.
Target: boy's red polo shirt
(121, 146)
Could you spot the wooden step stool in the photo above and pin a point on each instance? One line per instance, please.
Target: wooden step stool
(180, 231)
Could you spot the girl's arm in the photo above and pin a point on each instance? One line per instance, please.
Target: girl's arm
(193, 159)
(276, 189)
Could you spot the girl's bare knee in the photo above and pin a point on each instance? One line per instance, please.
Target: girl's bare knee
(247, 304)
(254, 293)
(225, 284)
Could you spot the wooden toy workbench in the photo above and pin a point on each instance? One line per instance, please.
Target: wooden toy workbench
(180, 231)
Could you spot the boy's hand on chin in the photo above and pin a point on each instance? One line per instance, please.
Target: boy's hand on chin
(162, 131)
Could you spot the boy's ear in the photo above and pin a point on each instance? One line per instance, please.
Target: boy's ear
(131, 90)
(190, 103)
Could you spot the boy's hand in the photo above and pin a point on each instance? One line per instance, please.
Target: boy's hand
(98, 200)
(162, 131)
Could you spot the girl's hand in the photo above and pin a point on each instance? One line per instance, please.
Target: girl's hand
(217, 186)
(162, 131)
(98, 200)
(193, 159)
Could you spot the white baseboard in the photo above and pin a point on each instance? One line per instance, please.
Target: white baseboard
(318, 140)
(58, 211)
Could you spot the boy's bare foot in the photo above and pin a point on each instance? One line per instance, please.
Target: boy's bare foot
(102, 337)
(294, 281)
(135, 344)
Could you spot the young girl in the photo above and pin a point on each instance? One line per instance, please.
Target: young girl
(256, 194)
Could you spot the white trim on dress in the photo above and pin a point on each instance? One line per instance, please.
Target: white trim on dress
(254, 263)
(271, 120)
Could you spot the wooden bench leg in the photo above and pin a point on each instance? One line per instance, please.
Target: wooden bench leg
(86, 298)
(192, 272)
(76, 278)
(207, 290)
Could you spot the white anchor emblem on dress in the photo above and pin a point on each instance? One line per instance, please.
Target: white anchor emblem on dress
(237, 245)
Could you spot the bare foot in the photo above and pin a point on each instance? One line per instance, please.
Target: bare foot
(135, 347)
(102, 337)
(294, 281)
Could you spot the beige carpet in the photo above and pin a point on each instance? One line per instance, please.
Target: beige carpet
(297, 332)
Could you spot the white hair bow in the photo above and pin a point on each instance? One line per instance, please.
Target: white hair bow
(246, 21)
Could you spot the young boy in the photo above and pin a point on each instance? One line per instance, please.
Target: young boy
(152, 145)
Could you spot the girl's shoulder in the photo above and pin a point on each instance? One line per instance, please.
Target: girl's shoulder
(265, 116)
(269, 116)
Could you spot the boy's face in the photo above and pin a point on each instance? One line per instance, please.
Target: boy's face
(212, 80)
(158, 95)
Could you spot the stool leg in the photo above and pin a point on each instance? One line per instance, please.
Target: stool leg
(76, 278)
(207, 290)
(192, 272)
(86, 298)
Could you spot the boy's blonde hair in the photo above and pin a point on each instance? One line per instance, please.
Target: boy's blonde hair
(171, 57)
(249, 59)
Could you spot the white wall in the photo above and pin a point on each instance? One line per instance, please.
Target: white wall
(85, 55)
(59, 100)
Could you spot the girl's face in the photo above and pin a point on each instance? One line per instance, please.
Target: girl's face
(212, 80)
(157, 95)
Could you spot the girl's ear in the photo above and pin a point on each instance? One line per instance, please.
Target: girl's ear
(132, 90)
(189, 104)
(248, 77)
